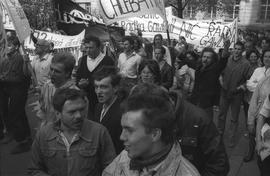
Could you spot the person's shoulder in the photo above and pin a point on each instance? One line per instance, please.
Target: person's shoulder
(94, 126)
(186, 168)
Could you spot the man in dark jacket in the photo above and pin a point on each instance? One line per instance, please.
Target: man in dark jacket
(88, 65)
(108, 111)
(206, 88)
(200, 141)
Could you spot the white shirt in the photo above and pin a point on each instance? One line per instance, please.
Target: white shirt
(128, 65)
(93, 63)
(265, 110)
(41, 68)
(167, 55)
(257, 76)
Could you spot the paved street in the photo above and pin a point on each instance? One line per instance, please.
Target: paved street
(16, 165)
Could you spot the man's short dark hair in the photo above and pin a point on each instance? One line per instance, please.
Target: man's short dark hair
(158, 112)
(129, 39)
(108, 71)
(65, 58)
(90, 38)
(14, 40)
(65, 94)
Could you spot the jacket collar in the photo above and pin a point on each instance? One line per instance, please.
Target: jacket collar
(84, 132)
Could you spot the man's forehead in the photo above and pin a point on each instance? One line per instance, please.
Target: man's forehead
(132, 119)
(106, 80)
(78, 102)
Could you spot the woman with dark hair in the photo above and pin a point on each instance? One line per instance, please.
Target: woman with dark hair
(149, 72)
(158, 43)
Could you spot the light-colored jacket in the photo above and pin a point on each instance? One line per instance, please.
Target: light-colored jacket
(174, 165)
(257, 100)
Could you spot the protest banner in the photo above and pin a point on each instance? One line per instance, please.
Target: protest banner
(117, 10)
(203, 34)
(59, 41)
(18, 17)
(198, 33)
(5, 18)
(3, 39)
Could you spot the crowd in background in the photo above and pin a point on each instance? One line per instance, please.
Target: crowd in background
(109, 84)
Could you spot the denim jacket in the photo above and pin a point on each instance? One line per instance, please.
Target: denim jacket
(89, 154)
(173, 165)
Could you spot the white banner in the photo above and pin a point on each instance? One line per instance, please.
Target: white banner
(5, 18)
(3, 39)
(203, 34)
(198, 33)
(60, 41)
(117, 10)
(18, 17)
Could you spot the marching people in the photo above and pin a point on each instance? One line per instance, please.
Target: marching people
(72, 145)
(233, 80)
(14, 84)
(166, 71)
(128, 64)
(61, 68)
(149, 140)
(206, 88)
(88, 65)
(108, 111)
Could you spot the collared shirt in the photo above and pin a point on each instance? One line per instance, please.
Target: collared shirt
(257, 76)
(106, 108)
(41, 68)
(128, 65)
(93, 63)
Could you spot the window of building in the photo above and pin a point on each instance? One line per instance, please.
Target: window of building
(265, 11)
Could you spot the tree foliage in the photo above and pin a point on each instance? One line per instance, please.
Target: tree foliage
(40, 13)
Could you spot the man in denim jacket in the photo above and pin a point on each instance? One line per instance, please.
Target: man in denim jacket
(73, 146)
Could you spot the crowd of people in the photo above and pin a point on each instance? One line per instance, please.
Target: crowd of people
(143, 109)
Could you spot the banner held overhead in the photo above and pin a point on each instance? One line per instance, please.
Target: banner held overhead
(18, 17)
(116, 10)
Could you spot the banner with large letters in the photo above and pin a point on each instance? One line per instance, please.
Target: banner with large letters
(16, 13)
(59, 41)
(117, 10)
(197, 33)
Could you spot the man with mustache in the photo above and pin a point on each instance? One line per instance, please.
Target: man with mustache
(72, 145)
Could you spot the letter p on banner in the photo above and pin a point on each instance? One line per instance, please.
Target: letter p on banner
(120, 10)
(3, 39)
(19, 19)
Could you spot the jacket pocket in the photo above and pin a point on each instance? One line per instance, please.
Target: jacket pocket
(88, 158)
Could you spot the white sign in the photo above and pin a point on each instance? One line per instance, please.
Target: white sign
(59, 41)
(5, 18)
(204, 34)
(18, 17)
(3, 40)
(116, 10)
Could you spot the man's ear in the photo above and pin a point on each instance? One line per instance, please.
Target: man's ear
(156, 134)
(58, 115)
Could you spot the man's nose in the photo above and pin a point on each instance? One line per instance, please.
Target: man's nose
(122, 136)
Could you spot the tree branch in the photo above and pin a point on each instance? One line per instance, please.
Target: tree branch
(173, 6)
(186, 3)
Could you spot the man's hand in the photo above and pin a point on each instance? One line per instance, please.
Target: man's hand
(83, 83)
